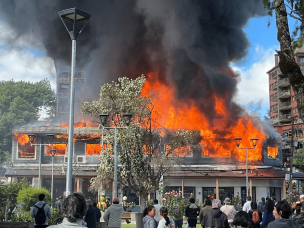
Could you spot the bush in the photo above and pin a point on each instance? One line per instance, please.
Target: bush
(29, 196)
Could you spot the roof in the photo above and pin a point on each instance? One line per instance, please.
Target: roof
(299, 50)
(255, 173)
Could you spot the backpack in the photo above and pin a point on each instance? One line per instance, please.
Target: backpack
(176, 211)
(255, 217)
(40, 215)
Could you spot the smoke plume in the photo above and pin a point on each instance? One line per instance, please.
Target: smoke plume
(189, 43)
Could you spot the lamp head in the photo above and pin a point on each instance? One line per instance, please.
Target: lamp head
(103, 119)
(127, 118)
(53, 151)
(237, 141)
(254, 141)
(31, 137)
(74, 21)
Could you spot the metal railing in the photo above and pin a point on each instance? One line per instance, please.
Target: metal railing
(285, 104)
(281, 81)
(282, 93)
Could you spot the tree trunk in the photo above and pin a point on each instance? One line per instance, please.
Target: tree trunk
(288, 65)
(143, 202)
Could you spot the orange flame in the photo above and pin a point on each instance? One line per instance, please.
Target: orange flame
(272, 151)
(177, 114)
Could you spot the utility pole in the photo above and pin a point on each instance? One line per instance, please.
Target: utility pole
(291, 153)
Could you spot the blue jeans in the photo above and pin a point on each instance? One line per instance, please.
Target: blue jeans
(178, 223)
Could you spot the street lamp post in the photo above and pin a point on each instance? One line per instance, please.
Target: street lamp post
(103, 120)
(32, 137)
(74, 21)
(238, 143)
(53, 152)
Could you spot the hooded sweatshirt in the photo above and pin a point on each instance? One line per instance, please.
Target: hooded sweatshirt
(112, 217)
(281, 223)
(149, 222)
(215, 218)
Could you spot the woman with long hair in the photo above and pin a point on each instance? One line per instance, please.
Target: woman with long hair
(267, 215)
(165, 221)
(148, 217)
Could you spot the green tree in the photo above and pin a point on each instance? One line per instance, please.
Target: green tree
(288, 65)
(298, 161)
(29, 195)
(20, 103)
(142, 166)
(8, 197)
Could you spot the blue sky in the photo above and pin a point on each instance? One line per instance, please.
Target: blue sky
(29, 63)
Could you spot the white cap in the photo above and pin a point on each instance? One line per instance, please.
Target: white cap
(302, 196)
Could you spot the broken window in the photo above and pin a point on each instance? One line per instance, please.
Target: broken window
(25, 149)
(61, 149)
(95, 149)
(272, 152)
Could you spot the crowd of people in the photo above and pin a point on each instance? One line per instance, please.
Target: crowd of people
(267, 213)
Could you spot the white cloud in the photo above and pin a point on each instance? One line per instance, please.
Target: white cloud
(19, 64)
(253, 87)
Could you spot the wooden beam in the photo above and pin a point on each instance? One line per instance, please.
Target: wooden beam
(250, 187)
(217, 189)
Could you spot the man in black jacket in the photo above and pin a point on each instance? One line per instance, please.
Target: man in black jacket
(215, 217)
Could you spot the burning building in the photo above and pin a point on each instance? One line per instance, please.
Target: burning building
(185, 49)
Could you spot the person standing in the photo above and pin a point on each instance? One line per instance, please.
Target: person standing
(112, 216)
(148, 217)
(165, 221)
(282, 211)
(215, 217)
(247, 206)
(267, 215)
(58, 205)
(178, 213)
(90, 217)
(261, 205)
(157, 210)
(191, 212)
(229, 210)
(207, 207)
(255, 215)
(73, 208)
(298, 219)
(41, 211)
(108, 204)
(97, 212)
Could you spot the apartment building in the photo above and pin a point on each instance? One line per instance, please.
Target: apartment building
(283, 105)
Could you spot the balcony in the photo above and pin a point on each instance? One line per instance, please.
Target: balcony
(274, 97)
(284, 94)
(275, 121)
(283, 82)
(285, 105)
(275, 109)
(285, 117)
(274, 86)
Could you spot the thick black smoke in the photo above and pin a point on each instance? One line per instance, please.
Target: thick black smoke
(189, 42)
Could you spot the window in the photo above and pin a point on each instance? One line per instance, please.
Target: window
(61, 149)
(188, 191)
(223, 192)
(25, 150)
(301, 59)
(63, 101)
(272, 151)
(64, 86)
